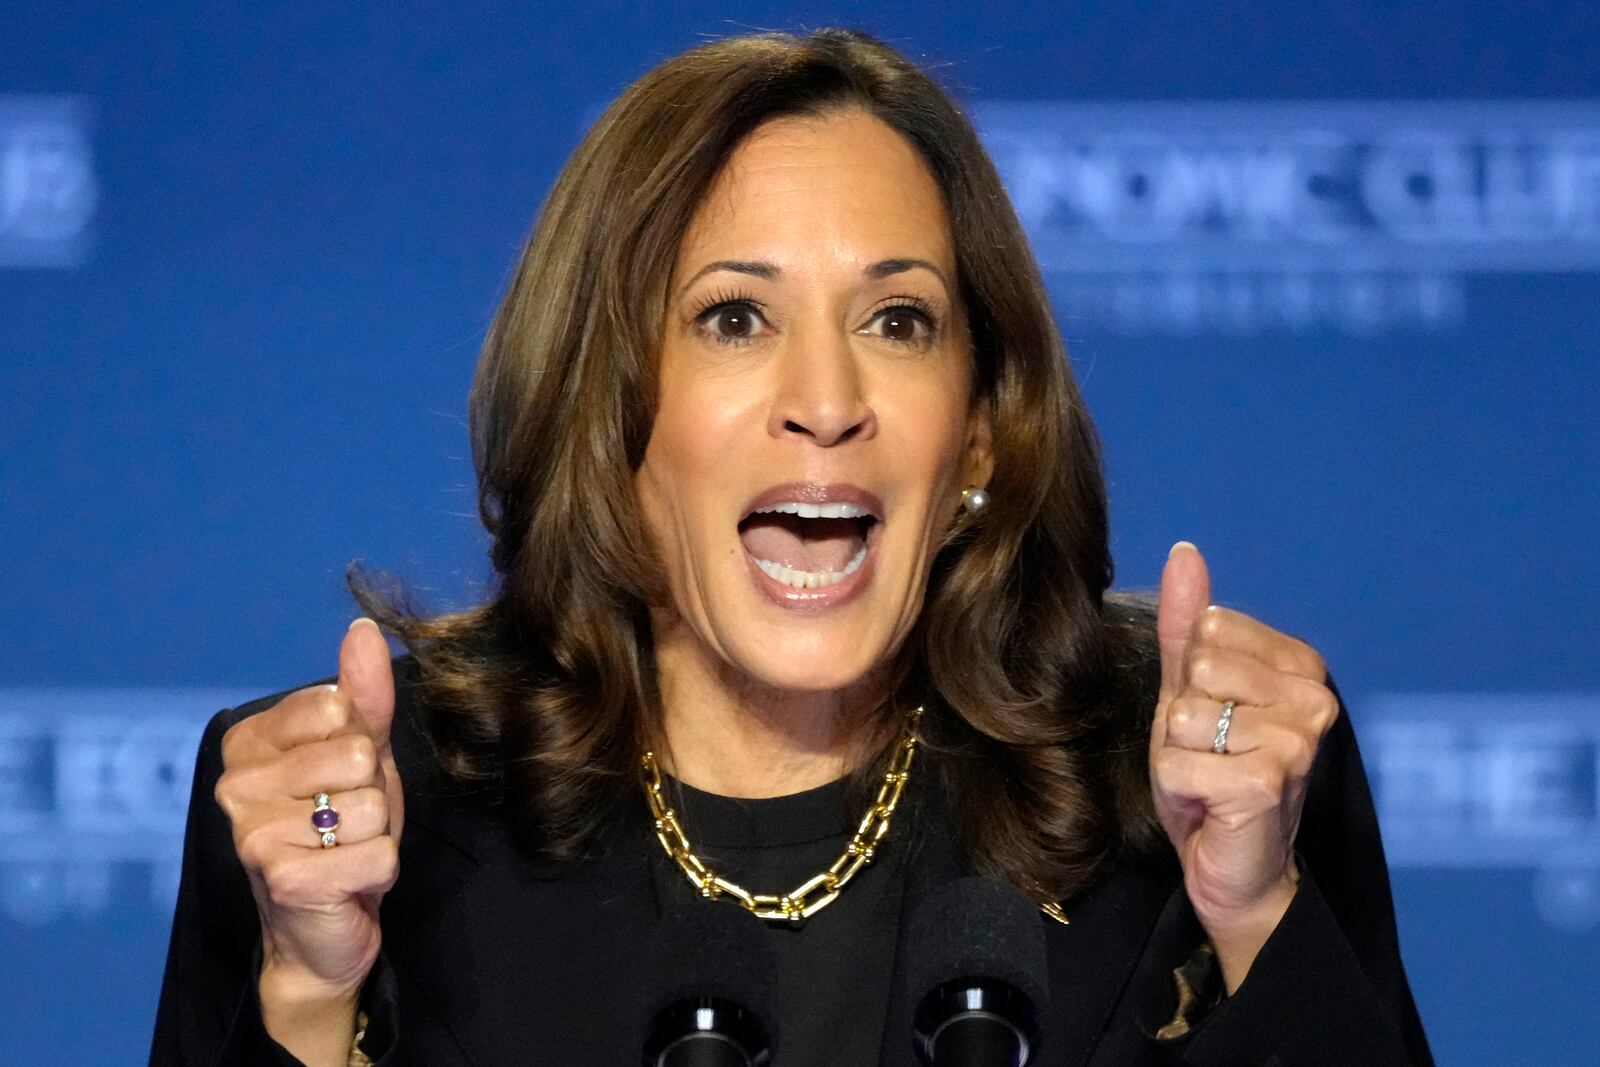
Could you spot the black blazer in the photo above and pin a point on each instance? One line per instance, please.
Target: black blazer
(492, 956)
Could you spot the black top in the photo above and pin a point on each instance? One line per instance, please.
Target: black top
(834, 969)
(492, 955)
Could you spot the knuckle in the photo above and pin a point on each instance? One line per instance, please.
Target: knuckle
(1203, 668)
(233, 791)
(232, 739)
(330, 707)
(360, 755)
(1213, 621)
(224, 793)
(1327, 710)
(1312, 663)
(254, 848)
(278, 876)
(1317, 704)
(1302, 751)
(235, 788)
(1181, 713)
(1193, 717)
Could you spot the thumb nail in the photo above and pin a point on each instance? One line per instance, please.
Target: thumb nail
(1174, 549)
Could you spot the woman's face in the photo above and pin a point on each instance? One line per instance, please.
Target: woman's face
(814, 426)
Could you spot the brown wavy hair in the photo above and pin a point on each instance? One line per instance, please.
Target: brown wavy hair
(1040, 685)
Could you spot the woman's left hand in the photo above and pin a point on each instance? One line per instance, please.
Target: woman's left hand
(1232, 816)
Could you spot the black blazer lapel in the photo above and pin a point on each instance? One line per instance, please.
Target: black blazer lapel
(508, 957)
(519, 963)
(1092, 958)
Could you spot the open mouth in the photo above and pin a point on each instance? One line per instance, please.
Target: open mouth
(808, 546)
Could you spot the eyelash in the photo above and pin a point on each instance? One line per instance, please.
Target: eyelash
(724, 300)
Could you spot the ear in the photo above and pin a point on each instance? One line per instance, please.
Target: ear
(978, 466)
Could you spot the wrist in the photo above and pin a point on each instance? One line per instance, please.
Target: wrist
(1239, 935)
(312, 1019)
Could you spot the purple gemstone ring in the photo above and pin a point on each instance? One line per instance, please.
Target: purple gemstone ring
(325, 821)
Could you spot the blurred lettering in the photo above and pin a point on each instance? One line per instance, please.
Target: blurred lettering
(1244, 217)
(94, 791)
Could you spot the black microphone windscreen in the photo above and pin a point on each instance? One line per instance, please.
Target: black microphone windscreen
(712, 949)
(979, 928)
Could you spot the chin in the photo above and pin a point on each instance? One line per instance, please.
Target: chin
(810, 664)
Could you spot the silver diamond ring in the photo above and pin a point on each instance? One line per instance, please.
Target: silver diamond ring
(1220, 742)
(325, 820)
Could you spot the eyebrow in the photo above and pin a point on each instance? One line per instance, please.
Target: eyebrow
(762, 269)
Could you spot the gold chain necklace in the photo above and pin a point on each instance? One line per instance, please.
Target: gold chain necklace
(816, 892)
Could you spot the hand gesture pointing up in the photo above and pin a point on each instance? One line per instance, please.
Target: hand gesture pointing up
(317, 892)
(1241, 713)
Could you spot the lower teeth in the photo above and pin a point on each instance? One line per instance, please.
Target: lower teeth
(811, 579)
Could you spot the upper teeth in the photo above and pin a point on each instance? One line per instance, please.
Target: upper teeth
(816, 511)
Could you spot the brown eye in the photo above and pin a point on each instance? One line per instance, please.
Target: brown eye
(898, 325)
(731, 322)
(735, 321)
(904, 324)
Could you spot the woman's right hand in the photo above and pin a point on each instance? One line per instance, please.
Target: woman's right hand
(318, 906)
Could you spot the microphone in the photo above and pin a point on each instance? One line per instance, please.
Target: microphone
(980, 957)
(710, 986)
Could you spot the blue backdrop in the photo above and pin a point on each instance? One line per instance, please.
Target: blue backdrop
(1328, 274)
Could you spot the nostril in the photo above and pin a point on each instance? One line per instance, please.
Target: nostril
(824, 430)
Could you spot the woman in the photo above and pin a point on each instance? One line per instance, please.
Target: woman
(785, 476)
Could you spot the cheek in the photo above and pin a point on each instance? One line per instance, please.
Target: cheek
(678, 482)
(929, 430)
(700, 421)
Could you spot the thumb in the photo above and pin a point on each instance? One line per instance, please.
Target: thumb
(1185, 593)
(366, 677)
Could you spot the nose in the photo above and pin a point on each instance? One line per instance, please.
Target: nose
(819, 391)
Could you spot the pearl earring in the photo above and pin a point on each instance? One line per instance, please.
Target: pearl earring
(974, 499)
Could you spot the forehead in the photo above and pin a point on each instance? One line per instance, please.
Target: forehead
(843, 184)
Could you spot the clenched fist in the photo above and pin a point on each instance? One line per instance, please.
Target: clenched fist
(318, 905)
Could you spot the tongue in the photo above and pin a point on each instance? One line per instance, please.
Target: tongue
(802, 544)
